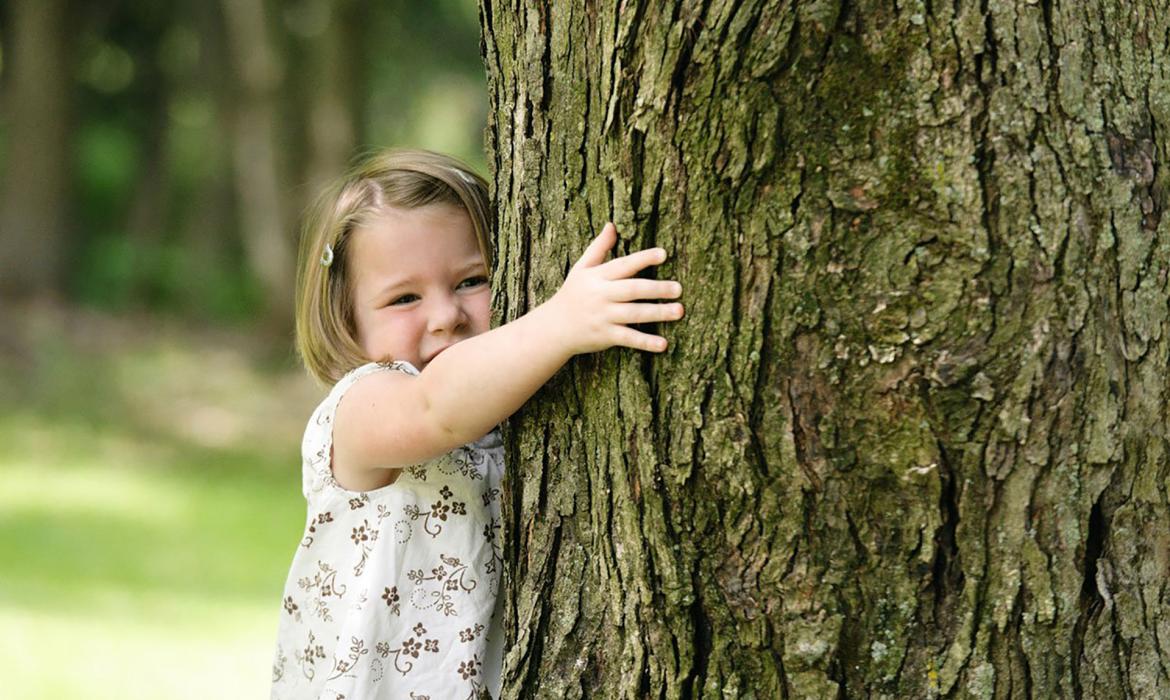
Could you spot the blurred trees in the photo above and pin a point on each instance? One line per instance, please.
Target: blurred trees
(160, 154)
(37, 107)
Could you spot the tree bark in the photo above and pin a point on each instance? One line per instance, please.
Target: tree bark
(911, 439)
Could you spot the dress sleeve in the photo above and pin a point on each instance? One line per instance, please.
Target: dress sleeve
(317, 446)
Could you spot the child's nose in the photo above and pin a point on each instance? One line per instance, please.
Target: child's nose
(446, 315)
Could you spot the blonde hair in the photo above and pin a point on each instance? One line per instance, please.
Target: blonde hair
(325, 328)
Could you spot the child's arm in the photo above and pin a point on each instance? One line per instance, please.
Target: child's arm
(390, 420)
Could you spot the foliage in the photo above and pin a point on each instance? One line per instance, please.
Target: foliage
(157, 92)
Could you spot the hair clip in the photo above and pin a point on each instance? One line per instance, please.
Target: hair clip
(327, 256)
(466, 178)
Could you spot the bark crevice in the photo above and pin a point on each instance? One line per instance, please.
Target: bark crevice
(692, 685)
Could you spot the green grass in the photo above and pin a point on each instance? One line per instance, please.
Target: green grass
(137, 559)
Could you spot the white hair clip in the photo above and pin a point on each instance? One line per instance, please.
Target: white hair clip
(466, 178)
(327, 256)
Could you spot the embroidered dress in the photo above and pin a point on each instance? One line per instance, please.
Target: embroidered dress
(392, 592)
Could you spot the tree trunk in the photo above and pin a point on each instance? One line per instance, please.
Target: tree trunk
(34, 192)
(911, 439)
(210, 234)
(328, 91)
(255, 153)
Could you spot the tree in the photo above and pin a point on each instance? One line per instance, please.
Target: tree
(37, 105)
(255, 154)
(911, 440)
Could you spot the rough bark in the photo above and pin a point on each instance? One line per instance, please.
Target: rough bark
(911, 440)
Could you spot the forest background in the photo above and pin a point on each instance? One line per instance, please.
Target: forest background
(155, 158)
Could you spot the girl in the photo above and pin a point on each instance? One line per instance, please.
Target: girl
(392, 590)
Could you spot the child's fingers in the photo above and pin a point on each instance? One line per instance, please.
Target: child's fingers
(630, 338)
(647, 313)
(637, 288)
(632, 264)
(597, 250)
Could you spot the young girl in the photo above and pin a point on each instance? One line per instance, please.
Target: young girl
(393, 588)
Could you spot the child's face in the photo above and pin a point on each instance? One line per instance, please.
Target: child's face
(419, 283)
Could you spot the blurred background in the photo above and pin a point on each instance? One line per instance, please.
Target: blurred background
(155, 158)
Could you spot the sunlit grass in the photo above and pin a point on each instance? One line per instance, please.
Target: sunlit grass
(136, 562)
(135, 573)
(143, 648)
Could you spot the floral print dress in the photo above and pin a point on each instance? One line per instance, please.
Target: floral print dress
(392, 592)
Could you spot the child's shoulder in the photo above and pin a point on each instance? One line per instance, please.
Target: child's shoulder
(366, 387)
(383, 420)
(393, 370)
(361, 385)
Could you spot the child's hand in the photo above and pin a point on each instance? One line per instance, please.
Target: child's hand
(599, 299)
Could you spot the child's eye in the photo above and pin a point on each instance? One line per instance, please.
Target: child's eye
(404, 299)
(472, 282)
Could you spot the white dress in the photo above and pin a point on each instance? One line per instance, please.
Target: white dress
(392, 592)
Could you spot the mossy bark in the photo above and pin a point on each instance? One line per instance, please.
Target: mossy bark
(911, 439)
